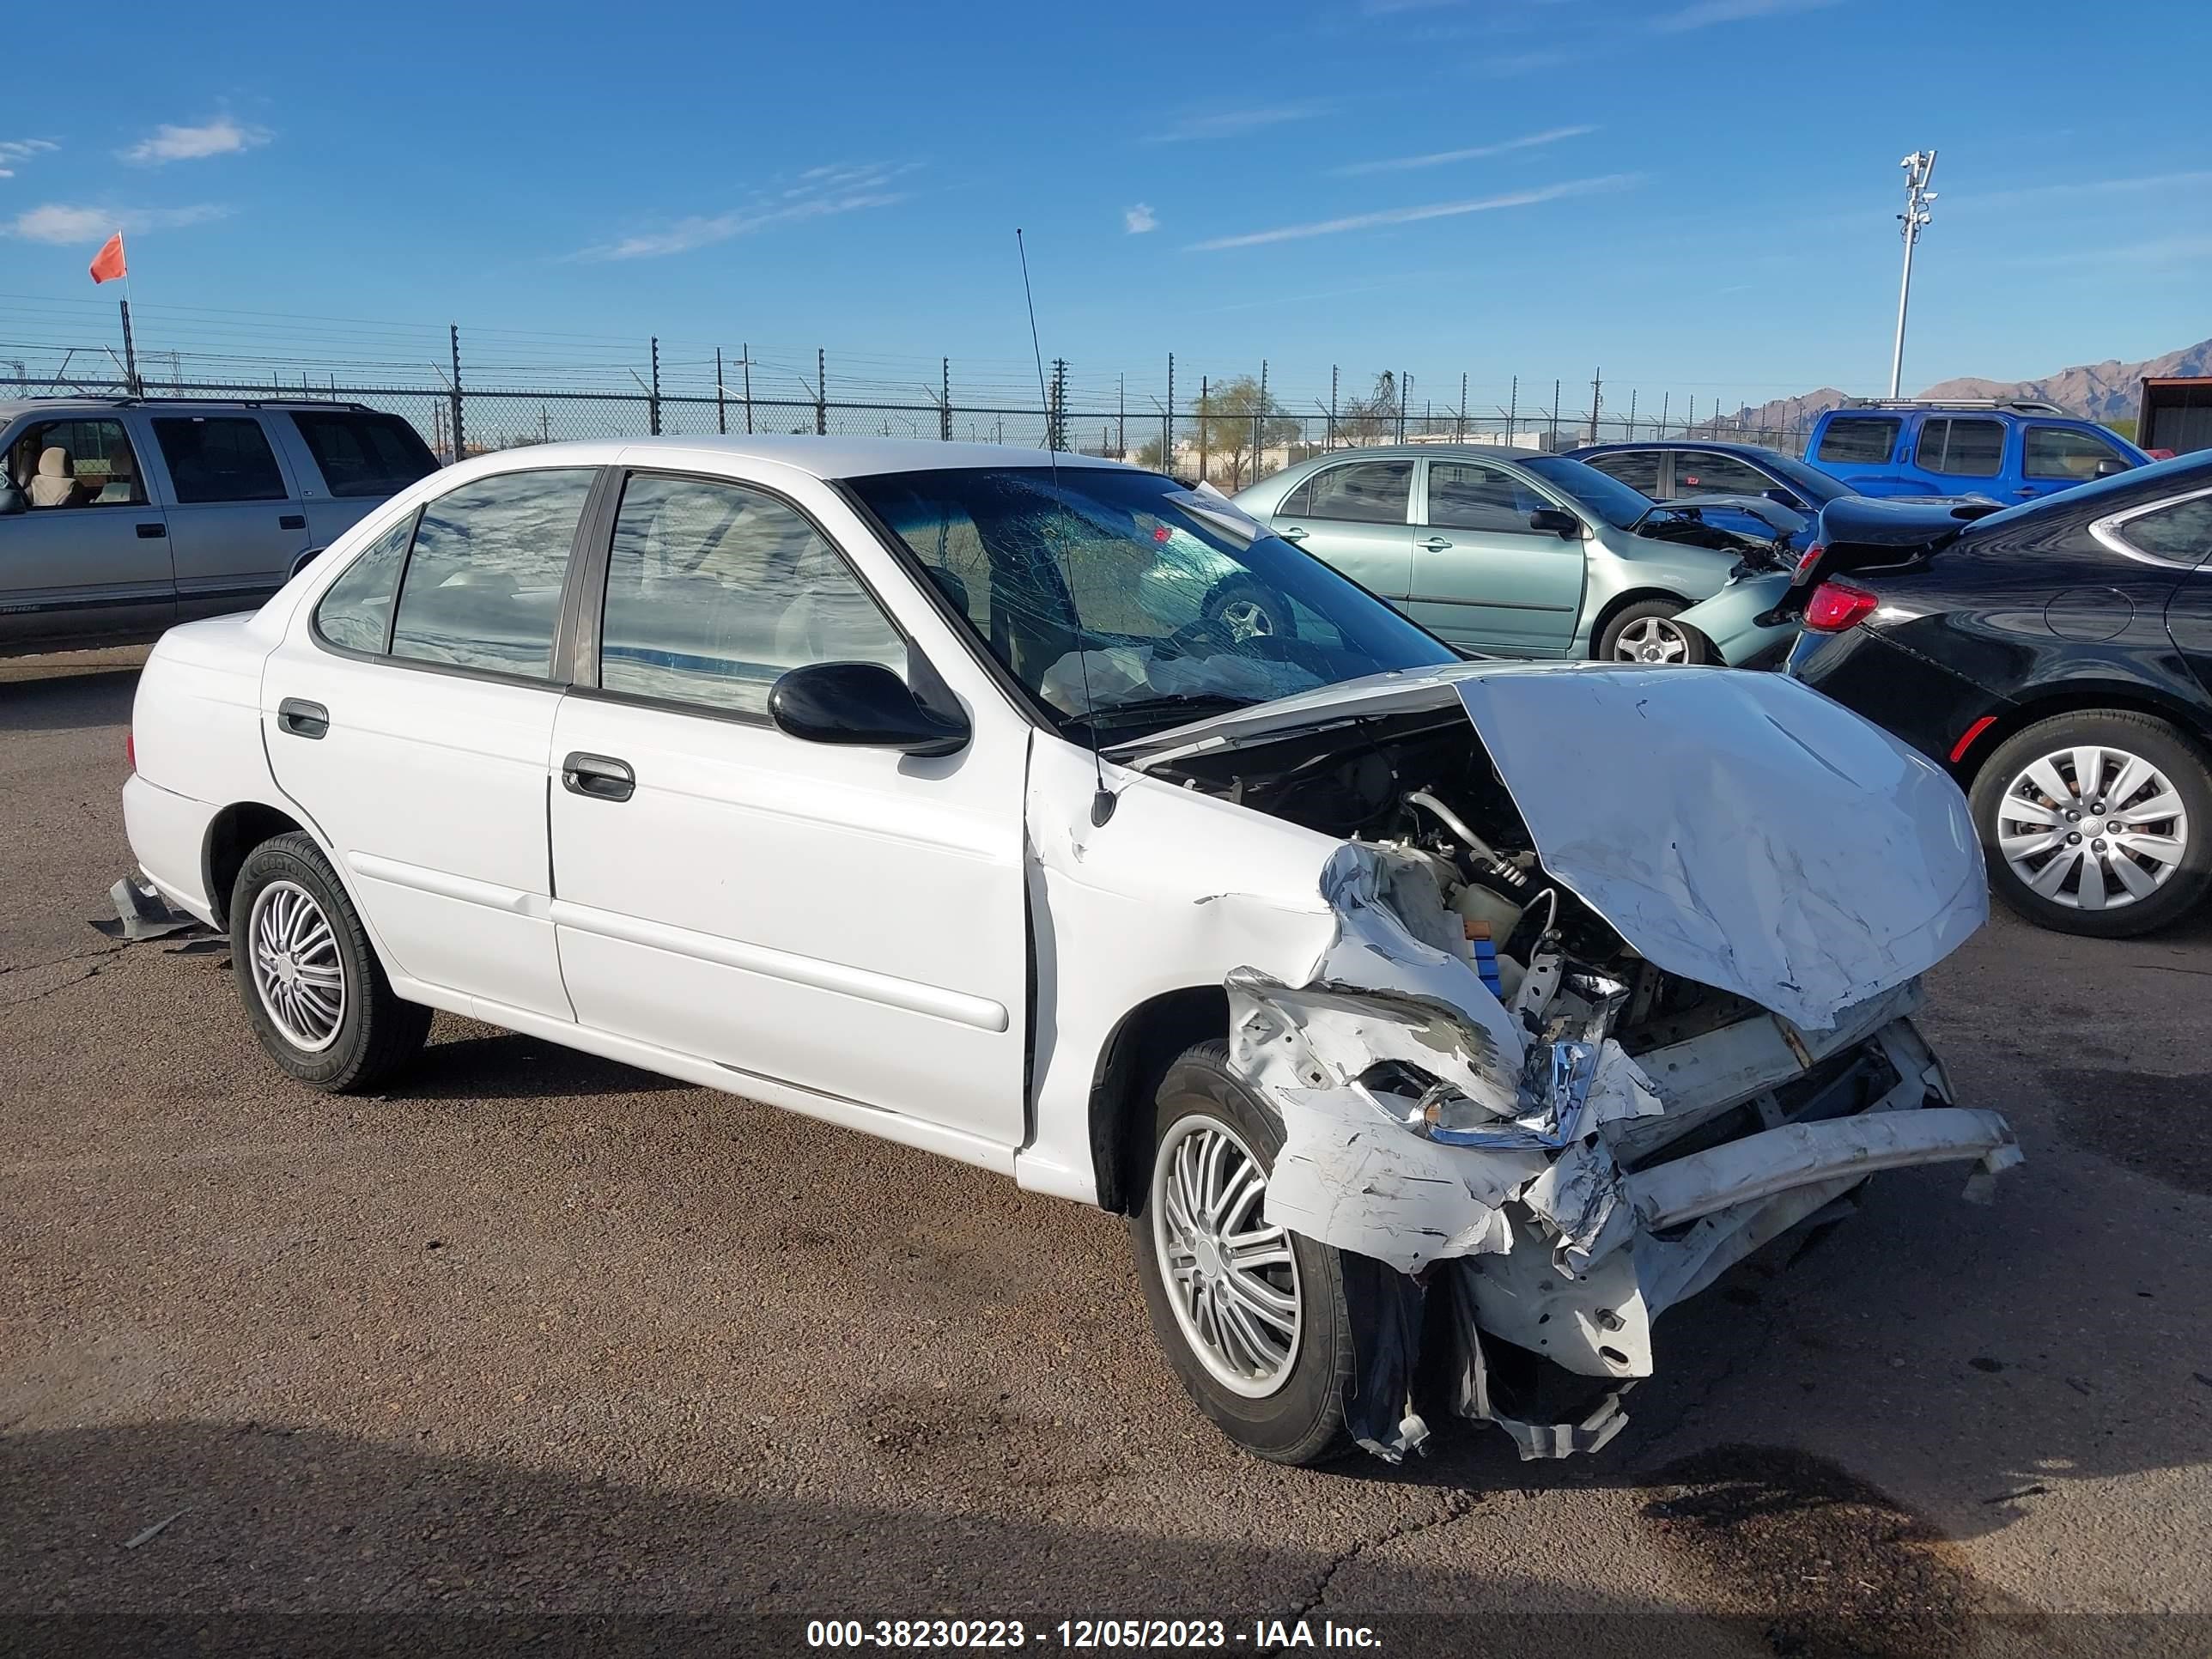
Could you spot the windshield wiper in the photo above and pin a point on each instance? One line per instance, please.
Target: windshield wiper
(1194, 704)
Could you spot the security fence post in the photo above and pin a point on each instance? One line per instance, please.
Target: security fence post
(453, 331)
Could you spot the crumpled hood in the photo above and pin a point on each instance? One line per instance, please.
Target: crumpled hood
(1739, 830)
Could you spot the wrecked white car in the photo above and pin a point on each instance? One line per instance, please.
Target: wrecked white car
(1389, 995)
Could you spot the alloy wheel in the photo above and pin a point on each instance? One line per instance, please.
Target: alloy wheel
(298, 974)
(1247, 619)
(1651, 638)
(2091, 827)
(1232, 1280)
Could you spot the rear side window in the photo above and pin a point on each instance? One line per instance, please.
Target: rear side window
(219, 458)
(355, 611)
(1636, 468)
(1369, 492)
(1861, 440)
(364, 454)
(714, 591)
(482, 588)
(1964, 449)
(1703, 473)
(2181, 532)
(2068, 453)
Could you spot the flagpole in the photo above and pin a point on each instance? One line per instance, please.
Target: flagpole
(131, 382)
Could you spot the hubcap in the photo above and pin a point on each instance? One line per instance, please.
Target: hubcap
(1232, 1279)
(2091, 828)
(1247, 619)
(297, 972)
(1651, 638)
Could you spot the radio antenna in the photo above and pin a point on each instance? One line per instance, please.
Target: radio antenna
(1101, 799)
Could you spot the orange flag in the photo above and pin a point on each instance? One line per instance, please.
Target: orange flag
(108, 263)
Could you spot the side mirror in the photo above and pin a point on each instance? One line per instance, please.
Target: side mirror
(12, 500)
(2112, 469)
(1556, 521)
(862, 705)
(1781, 497)
(303, 562)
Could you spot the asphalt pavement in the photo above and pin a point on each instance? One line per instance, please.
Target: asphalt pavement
(539, 1353)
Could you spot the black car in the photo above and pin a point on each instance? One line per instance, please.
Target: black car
(2057, 657)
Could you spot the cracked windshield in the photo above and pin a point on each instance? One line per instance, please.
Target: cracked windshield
(1123, 599)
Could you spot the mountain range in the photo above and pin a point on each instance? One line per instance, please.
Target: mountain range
(2100, 391)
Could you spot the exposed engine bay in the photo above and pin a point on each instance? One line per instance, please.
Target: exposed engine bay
(1535, 1136)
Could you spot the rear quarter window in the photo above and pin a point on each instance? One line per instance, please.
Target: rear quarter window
(1861, 440)
(364, 454)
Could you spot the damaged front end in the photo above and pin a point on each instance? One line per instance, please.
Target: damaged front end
(1607, 1008)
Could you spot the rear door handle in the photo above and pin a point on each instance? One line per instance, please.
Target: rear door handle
(148, 532)
(302, 718)
(602, 777)
(1433, 544)
(291, 521)
(1293, 534)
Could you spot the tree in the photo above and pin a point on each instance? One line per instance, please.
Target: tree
(1152, 453)
(1372, 419)
(1237, 424)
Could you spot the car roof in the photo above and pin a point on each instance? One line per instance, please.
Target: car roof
(822, 457)
(1712, 446)
(90, 404)
(1412, 452)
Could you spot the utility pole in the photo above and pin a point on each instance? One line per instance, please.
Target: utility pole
(1260, 422)
(1459, 432)
(652, 410)
(1632, 415)
(945, 398)
(1404, 403)
(1555, 444)
(1056, 429)
(1665, 398)
(745, 346)
(821, 392)
(1122, 422)
(1205, 392)
(721, 413)
(453, 333)
(1597, 389)
(1513, 415)
(1332, 405)
(1167, 422)
(1919, 167)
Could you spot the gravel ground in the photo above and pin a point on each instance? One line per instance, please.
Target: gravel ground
(540, 1353)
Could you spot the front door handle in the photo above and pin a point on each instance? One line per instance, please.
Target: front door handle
(302, 718)
(602, 777)
(1433, 544)
(148, 532)
(1293, 534)
(291, 521)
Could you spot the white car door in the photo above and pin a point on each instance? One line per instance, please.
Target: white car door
(847, 922)
(416, 734)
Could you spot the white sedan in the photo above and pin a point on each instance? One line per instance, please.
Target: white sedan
(867, 779)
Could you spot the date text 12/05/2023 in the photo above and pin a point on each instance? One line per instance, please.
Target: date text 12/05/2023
(1085, 1634)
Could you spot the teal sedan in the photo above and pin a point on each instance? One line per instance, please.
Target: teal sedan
(1503, 552)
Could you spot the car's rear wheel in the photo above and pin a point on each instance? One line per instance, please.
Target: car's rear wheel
(314, 992)
(1647, 632)
(1251, 1316)
(2096, 823)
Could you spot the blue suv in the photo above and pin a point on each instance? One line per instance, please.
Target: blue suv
(2006, 451)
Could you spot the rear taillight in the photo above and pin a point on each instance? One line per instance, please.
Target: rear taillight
(1836, 606)
(130, 749)
(1805, 563)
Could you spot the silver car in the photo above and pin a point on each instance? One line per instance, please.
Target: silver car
(1504, 552)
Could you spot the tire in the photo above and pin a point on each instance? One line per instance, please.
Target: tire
(321, 1007)
(1250, 609)
(1649, 626)
(1296, 1415)
(2147, 875)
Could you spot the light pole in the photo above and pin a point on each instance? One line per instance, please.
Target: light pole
(1917, 167)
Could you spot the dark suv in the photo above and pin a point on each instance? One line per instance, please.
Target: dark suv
(121, 516)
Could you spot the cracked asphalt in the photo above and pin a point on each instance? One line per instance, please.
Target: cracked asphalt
(541, 1353)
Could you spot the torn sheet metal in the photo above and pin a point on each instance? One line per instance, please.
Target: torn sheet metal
(1471, 1394)
(141, 913)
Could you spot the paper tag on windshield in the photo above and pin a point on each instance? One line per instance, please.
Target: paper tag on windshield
(1217, 509)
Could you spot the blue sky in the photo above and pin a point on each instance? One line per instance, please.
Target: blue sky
(1697, 194)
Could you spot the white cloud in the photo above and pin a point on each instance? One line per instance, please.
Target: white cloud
(1407, 215)
(821, 192)
(1229, 123)
(61, 225)
(1707, 13)
(2088, 188)
(221, 137)
(1401, 163)
(1140, 219)
(22, 149)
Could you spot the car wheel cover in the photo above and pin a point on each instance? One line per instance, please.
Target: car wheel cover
(1651, 640)
(1232, 1279)
(298, 976)
(2091, 828)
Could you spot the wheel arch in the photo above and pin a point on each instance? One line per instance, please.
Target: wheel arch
(1136, 1056)
(232, 834)
(2076, 697)
(1620, 602)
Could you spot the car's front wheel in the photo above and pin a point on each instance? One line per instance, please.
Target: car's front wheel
(2096, 823)
(1647, 632)
(314, 992)
(1250, 609)
(1251, 1316)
